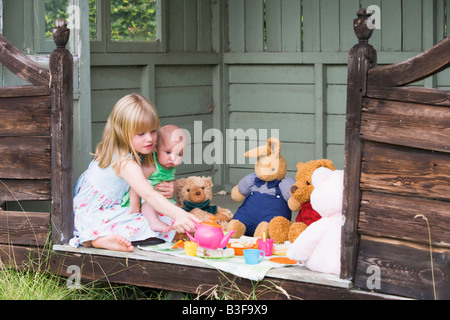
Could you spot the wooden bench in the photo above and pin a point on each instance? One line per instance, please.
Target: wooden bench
(397, 166)
(36, 144)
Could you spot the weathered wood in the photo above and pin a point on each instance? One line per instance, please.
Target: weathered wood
(169, 276)
(411, 94)
(361, 58)
(61, 69)
(25, 157)
(406, 124)
(20, 190)
(24, 228)
(21, 65)
(414, 69)
(404, 268)
(392, 216)
(405, 171)
(25, 116)
(24, 91)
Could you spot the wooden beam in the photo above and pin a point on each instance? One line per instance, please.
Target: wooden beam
(414, 69)
(361, 58)
(61, 68)
(25, 116)
(22, 66)
(24, 189)
(406, 124)
(388, 215)
(24, 228)
(176, 277)
(411, 94)
(25, 157)
(406, 171)
(403, 268)
(24, 91)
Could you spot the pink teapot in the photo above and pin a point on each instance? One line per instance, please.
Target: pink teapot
(209, 235)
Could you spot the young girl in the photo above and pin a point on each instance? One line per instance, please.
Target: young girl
(127, 143)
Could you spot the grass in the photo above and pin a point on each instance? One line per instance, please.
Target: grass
(32, 284)
(29, 285)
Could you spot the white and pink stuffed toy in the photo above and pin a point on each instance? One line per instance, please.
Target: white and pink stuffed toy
(319, 246)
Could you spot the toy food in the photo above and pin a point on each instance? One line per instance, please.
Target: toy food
(239, 247)
(217, 253)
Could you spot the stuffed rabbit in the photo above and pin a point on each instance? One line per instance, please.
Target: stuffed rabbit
(264, 193)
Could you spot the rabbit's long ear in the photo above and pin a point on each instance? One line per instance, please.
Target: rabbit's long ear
(273, 146)
(257, 152)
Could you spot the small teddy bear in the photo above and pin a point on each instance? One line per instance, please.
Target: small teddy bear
(319, 246)
(281, 229)
(264, 193)
(194, 194)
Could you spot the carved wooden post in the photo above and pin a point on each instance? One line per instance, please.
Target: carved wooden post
(61, 86)
(361, 58)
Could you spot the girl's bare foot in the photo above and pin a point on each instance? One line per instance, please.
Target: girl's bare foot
(114, 242)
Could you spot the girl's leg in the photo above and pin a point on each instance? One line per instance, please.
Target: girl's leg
(112, 242)
(152, 217)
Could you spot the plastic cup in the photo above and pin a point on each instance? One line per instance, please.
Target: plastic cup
(253, 256)
(266, 246)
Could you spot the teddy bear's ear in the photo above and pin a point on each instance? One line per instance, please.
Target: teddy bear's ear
(320, 175)
(299, 165)
(180, 184)
(326, 163)
(207, 182)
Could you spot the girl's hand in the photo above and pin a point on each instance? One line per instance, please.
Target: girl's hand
(166, 188)
(185, 222)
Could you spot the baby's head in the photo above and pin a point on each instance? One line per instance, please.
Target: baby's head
(170, 145)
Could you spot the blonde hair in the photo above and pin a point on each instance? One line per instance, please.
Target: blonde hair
(132, 114)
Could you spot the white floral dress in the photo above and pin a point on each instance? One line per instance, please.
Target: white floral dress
(98, 212)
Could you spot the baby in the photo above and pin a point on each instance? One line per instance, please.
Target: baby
(170, 145)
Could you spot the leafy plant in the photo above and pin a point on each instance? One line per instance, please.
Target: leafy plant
(131, 20)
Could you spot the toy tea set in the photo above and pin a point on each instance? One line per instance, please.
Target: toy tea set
(209, 241)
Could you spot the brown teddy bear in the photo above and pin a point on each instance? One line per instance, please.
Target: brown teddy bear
(281, 229)
(194, 194)
(264, 193)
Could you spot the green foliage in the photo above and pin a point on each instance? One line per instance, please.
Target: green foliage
(131, 20)
(54, 9)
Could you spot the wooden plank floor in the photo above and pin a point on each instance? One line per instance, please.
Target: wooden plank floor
(164, 271)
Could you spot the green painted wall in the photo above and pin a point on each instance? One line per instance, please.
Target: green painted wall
(244, 64)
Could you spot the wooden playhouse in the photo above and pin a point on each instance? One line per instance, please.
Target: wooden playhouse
(397, 184)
